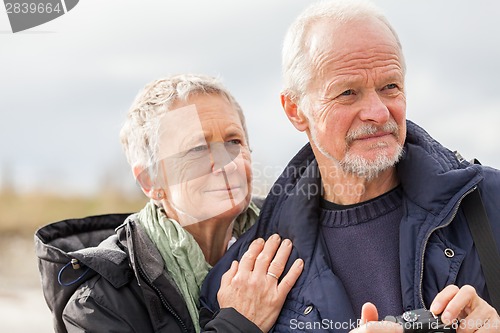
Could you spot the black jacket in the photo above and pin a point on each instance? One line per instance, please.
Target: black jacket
(117, 281)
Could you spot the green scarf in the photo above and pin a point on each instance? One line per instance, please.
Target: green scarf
(184, 260)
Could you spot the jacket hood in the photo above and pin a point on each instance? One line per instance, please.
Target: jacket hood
(93, 242)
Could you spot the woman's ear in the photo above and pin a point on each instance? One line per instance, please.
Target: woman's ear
(142, 176)
(294, 112)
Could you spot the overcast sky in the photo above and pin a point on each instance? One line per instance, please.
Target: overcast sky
(66, 85)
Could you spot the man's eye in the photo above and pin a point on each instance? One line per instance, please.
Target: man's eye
(347, 93)
(391, 86)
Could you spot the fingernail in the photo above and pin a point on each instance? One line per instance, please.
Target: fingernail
(434, 307)
(446, 318)
(300, 263)
(275, 237)
(258, 241)
(287, 242)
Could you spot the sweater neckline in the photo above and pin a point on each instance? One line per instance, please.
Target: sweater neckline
(336, 216)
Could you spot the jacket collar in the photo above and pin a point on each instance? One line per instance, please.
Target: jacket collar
(431, 175)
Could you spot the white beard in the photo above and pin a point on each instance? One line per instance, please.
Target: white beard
(358, 165)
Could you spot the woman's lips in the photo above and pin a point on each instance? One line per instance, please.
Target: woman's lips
(224, 189)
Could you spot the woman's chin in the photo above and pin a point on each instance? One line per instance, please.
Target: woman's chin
(227, 208)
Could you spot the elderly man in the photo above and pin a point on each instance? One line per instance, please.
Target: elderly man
(373, 203)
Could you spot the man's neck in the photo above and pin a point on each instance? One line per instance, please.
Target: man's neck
(347, 189)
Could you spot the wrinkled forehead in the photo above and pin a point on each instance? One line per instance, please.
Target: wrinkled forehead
(327, 37)
(178, 129)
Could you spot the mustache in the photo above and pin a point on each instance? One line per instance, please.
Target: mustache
(369, 129)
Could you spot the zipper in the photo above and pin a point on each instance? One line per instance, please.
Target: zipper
(455, 211)
(163, 300)
(150, 284)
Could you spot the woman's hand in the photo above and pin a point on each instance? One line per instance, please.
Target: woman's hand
(253, 286)
(464, 307)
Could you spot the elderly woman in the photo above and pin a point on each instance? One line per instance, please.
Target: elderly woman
(186, 142)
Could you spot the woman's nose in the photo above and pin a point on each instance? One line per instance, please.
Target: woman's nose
(227, 168)
(221, 159)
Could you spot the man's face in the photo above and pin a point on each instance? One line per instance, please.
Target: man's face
(355, 100)
(205, 159)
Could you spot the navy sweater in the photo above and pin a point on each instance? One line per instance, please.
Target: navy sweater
(362, 241)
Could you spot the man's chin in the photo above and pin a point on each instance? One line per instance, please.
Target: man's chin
(370, 167)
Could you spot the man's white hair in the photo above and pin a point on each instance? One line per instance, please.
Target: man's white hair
(139, 134)
(296, 64)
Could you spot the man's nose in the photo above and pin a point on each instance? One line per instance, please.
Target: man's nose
(221, 160)
(373, 109)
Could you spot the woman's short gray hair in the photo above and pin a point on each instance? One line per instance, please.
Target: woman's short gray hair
(296, 65)
(140, 130)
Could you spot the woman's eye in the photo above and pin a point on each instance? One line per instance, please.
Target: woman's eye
(198, 149)
(234, 142)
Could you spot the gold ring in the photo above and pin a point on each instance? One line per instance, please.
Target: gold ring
(273, 275)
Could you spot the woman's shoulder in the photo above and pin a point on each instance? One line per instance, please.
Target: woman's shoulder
(97, 305)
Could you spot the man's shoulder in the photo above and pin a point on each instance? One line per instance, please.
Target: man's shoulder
(491, 175)
(490, 183)
(490, 192)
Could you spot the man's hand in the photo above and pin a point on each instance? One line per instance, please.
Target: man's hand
(252, 286)
(464, 307)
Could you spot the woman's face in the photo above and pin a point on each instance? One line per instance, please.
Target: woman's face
(204, 159)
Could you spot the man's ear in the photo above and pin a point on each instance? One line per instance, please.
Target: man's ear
(142, 176)
(294, 112)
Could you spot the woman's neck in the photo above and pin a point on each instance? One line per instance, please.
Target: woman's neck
(212, 236)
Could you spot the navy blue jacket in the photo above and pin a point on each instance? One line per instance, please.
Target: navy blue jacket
(434, 182)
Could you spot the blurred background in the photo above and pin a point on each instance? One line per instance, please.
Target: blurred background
(65, 88)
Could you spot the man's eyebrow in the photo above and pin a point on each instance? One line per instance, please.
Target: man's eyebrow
(392, 76)
(347, 81)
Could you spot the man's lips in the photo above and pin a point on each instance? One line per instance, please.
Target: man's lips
(374, 136)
